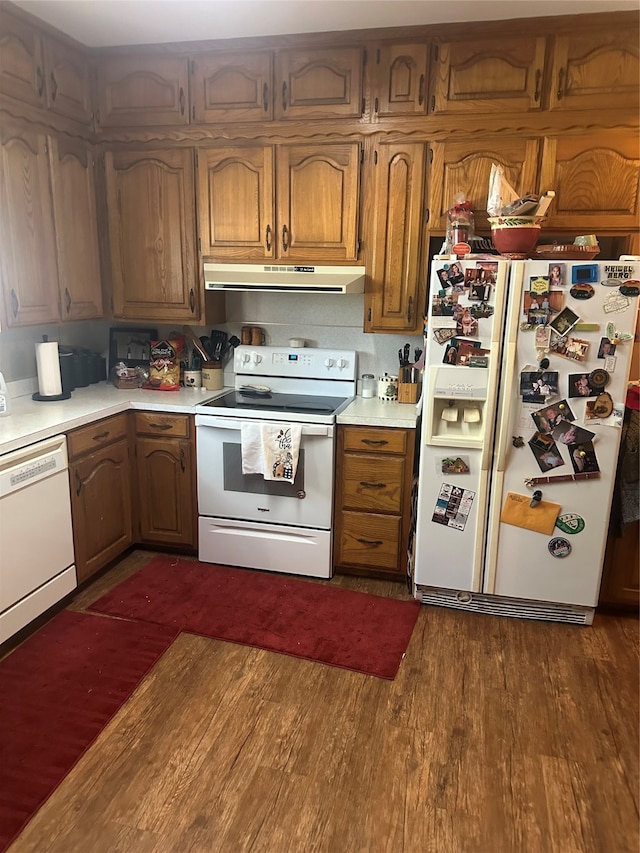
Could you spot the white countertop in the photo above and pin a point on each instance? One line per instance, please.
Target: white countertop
(31, 421)
(370, 411)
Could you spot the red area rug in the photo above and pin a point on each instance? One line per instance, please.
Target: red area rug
(353, 630)
(57, 692)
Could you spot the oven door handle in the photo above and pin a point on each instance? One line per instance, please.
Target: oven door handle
(235, 424)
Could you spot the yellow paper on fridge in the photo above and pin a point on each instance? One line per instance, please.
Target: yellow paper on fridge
(541, 518)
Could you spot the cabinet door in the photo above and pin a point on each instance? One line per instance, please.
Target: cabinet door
(74, 203)
(493, 75)
(235, 202)
(596, 71)
(465, 166)
(21, 68)
(397, 279)
(317, 189)
(68, 81)
(138, 91)
(101, 507)
(400, 79)
(27, 259)
(322, 83)
(232, 87)
(151, 201)
(166, 490)
(596, 181)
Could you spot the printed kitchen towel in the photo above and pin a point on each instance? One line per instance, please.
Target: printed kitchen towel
(271, 450)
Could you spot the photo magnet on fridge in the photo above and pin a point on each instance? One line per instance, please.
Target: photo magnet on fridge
(564, 321)
(568, 433)
(583, 457)
(579, 386)
(546, 452)
(575, 349)
(443, 278)
(556, 274)
(546, 419)
(456, 275)
(606, 348)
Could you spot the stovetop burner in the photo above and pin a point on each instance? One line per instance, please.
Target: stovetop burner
(272, 401)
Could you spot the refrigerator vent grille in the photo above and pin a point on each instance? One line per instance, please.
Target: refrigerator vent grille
(498, 606)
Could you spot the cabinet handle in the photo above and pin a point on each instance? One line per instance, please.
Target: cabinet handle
(99, 436)
(182, 462)
(285, 242)
(373, 485)
(433, 103)
(421, 90)
(379, 442)
(284, 96)
(160, 426)
(410, 309)
(181, 100)
(192, 301)
(67, 299)
(267, 237)
(265, 97)
(14, 303)
(54, 87)
(536, 94)
(375, 543)
(39, 81)
(560, 92)
(375, 105)
(78, 484)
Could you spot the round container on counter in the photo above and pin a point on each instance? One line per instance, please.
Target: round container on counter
(368, 385)
(212, 375)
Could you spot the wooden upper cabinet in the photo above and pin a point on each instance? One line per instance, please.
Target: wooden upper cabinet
(67, 81)
(319, 83)
(139, 91)
(21, 61)
(396, 276)
(489, 75)
(596, 70)
(596, 179)
(465, 166)
(235, 203)
(28, 257)
(74, 202)
(232, 87)
(317, 194)
(151, 207)
(399, 79)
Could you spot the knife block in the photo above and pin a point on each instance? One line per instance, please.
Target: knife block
(407, 391)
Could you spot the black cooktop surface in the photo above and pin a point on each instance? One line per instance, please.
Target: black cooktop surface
(272, 401)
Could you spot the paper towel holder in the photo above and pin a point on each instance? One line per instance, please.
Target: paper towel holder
(49, 398)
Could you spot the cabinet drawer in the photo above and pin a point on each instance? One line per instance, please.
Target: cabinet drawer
(155, 423)
(375, 439)
(372, 482)
(90, 438)
(369, 540)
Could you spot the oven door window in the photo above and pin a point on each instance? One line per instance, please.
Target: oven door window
(235, 481)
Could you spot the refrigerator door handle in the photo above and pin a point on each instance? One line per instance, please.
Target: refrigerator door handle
(504, 416)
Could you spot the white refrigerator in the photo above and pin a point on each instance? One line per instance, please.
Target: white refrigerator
(526, 370)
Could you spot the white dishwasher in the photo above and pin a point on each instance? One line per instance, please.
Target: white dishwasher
(36, 535)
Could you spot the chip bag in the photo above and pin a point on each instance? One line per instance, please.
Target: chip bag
(164, 365)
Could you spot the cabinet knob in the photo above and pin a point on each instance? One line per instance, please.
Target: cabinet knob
(267, 238)
(15, 305)
(265, 97)
(67, 299)
(536, 94)
(285, 238)
(374, 543)
(421, 90)
(192, 301)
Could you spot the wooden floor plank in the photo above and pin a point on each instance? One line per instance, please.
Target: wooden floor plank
(497, 734)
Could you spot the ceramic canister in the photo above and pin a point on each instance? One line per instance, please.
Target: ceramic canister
(388, 387)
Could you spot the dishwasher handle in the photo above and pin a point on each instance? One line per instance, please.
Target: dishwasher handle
(28, 465)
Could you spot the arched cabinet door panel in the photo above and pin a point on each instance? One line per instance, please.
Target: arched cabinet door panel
(142, 91)
(232, 87)
(322, 83)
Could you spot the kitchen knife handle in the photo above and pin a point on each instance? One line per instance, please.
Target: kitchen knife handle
(285, 234)
(267, 237)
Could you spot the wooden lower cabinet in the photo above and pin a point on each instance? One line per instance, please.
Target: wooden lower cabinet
(165, 479)
(373, 489)
(621, 572)
(100, 481)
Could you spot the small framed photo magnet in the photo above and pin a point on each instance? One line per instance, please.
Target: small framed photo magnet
(580, 386)
(606, 348)
(548, 418)
(574, 348)
(556, 275)
(546, 452)
(583, 458)
(563, 322)
(584, 274)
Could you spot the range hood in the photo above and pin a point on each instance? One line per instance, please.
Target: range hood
(278, 278)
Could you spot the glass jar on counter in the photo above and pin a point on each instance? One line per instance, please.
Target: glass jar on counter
(368, 385)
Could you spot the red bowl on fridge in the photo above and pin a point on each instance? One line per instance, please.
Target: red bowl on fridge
(514, 236)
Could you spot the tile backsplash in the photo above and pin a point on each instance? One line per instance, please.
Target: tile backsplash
(322, 320)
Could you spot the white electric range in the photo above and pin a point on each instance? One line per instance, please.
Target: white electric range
(245, 520)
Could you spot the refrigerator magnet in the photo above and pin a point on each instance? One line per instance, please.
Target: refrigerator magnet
(570, 523)
(539, 284)
(559, 547)
(615, 303)
(582, 291)
(574, 348)
(564, 321)
(616, 336)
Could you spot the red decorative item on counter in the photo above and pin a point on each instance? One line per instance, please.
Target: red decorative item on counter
(460, 221)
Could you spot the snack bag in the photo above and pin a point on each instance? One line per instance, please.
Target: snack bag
(164, 365)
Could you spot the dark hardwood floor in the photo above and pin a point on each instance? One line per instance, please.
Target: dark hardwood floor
(497, 735)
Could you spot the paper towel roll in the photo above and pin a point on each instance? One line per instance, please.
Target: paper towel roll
(48, 366)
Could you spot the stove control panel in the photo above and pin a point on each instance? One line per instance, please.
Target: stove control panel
(303, 362)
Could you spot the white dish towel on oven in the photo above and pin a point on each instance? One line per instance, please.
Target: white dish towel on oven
(271, 450)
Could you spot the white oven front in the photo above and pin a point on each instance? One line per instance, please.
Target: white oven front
(245, 520)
